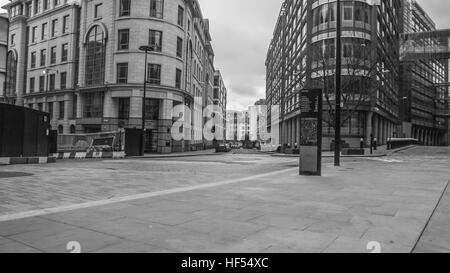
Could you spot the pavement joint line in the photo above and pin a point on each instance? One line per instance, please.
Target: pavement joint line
(41, 212)
(431, 217)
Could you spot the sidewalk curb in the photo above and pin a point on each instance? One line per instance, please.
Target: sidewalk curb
(332, 156)
(174, 156)
(388, 153)
(5, 161)
(401, 149)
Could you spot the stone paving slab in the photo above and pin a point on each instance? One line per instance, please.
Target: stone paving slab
(436, 237)
(342, 211)
(72, 182)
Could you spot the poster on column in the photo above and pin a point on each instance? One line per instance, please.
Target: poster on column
(311, 132)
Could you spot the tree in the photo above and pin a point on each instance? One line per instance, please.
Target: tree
(360, 76)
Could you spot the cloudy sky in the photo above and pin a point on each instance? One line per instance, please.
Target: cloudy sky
(241, 31)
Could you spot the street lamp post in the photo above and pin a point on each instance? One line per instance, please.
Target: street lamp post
(337, 123)
(146, 49)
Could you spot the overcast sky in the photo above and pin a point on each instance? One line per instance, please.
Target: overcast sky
(241, 31)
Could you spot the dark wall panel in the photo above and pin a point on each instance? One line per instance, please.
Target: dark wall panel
(11, 130)
(23, 131)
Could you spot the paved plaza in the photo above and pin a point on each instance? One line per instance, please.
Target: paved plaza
(228, 203)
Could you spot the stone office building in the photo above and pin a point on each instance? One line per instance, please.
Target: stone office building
(220, 100)
(81, 61)
(3, 52)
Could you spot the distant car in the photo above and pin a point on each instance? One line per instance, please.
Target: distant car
(223, 148)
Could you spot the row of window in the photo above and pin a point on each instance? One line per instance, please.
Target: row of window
(54, 29)
(50, 109)
(153, 74)
(53, 56)
(155, 41)
(35, 7)
(351, 12)
(50, 84)
(156, 10)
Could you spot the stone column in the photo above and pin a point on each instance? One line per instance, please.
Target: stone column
(369, 127)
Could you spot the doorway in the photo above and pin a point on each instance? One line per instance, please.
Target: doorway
(151, 141)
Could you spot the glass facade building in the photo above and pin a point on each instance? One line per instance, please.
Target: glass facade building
(302, 54)
(423, 92)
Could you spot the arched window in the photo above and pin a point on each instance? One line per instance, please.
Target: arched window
(60, 129)
(72, 129)
(11, 75)
(95, 57)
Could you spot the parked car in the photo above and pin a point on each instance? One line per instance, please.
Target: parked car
(223, 148)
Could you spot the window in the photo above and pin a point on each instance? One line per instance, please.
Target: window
(63, 80)
(155, 40)
(122, 73)
(52, 82)
(64, 52)
(366, 15)
(44, 31)
(124, 7)
(33, 34)
(33, 60)
(124, 39)
(154, 74)
(37, 6)
(178, 78)
(16, 10)
(95, 57)
(56, 3)
(43, 56)
(65, 27)
(54, 27)
(60, 130)
(93, 105)
(124, 108)
(46, 4)
(50, 109)
(359, 7)
(151, 109)
(32, 85)
(98, 11)
(61, 109)
(348, 12)
(53, 55)
(347, 50)
(41, 83)
(13, 36)
(179, 47)
(157, 8)
(74, 106)
(180, 16)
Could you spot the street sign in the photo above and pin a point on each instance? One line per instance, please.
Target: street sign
(311, 103)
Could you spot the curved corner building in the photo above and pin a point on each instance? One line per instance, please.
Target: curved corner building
(302, 55)
(80, 61)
